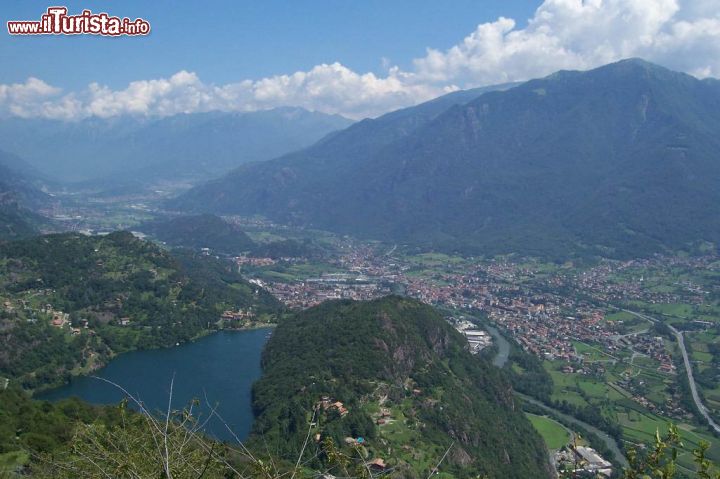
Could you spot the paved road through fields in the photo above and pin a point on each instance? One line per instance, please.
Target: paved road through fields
(688, 368)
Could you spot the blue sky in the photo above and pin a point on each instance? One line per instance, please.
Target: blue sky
(225, 41)
(358, 58)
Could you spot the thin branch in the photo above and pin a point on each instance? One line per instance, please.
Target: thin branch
(364, 463)
(441, 460)
(167, 425)
(207, 463)
(307, 438)
(245, 449)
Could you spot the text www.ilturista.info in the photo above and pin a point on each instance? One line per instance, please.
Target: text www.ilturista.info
(57, 22)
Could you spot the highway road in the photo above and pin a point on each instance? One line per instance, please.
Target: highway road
(688, 368)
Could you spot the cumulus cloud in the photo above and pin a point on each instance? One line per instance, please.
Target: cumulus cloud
(576, 34)
(21, 99)
(562, 34)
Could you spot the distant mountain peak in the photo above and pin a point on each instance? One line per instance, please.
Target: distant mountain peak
(632, 67)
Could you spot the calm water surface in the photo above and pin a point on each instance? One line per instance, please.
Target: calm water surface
(221, 367)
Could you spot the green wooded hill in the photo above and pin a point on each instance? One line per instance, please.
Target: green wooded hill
(200, 231)
(397, 362)
(617, 161)
(210, 231)
(130, 293)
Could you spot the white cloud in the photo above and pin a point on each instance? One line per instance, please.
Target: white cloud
(576, 34)
(21, 99)
(563, 34)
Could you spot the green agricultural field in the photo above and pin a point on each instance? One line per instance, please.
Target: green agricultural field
(553, 433)
(678, 310)
(565, 386)
(662, 288)
(592, 353)
(641, 427)
(701, 355)
(594, 388)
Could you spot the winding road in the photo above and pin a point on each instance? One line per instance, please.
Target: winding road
(688, 368)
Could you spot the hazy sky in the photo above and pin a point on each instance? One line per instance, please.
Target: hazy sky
(354, 57)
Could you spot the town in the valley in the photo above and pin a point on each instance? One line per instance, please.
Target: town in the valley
(597, 329)
(580, 322)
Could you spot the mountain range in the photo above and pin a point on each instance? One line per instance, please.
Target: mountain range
(185, 146)
(619, 161)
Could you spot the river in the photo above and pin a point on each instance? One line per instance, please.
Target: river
(502, 344)
(220, 367)
(503, 352)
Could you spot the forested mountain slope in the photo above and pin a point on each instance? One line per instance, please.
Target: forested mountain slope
(621, 161)
(389, 380)
(68, 302)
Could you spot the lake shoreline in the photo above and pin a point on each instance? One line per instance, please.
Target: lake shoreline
(217, 369)
(86, 370)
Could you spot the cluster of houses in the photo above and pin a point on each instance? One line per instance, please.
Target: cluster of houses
(327, 404)
(57, 319)
(61, 320)
(313, 291)
(237, 316)
(547, 333)
(249, 260)
(673, 402)
(614, 281)
(654, 347)
(383, 416)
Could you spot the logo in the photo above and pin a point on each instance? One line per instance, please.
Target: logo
(57, 22)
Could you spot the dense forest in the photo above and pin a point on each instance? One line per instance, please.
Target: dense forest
(410, 391)
(71, 301)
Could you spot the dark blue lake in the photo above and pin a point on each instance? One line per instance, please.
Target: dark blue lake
(222, 367)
